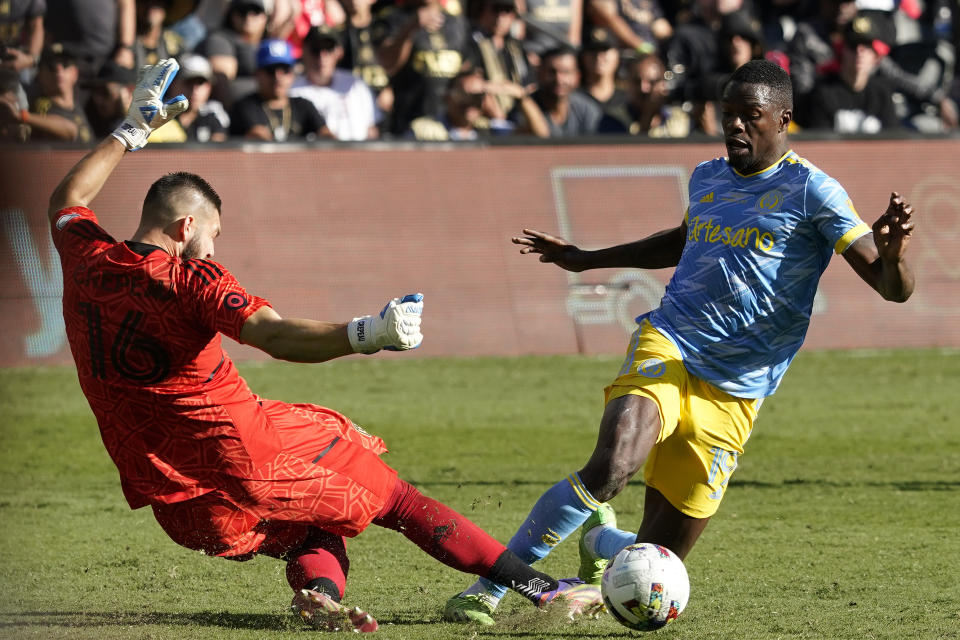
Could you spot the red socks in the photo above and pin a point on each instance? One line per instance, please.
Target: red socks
(321, 556)
(321, 561)
(439, 530)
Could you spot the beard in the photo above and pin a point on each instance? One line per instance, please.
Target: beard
(193, 249)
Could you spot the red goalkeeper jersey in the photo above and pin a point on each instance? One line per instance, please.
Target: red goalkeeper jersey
(144, 328)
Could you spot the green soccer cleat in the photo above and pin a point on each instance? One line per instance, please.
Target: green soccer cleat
(468, 608)
(591, 569)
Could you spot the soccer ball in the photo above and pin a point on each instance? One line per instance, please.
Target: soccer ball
(645, 586)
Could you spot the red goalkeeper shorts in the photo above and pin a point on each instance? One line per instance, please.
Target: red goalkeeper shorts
(328, 475)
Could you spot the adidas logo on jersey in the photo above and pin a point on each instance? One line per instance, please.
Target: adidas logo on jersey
(707, 198)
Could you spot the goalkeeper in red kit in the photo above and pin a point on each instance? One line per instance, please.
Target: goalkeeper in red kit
(225, 471)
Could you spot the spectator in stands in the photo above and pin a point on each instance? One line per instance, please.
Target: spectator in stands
(13, 109)
(422, 46)
(270, 114)
(292, 20)
(921, 66)
(110, 95)
(463, 118)
(739, 41)
(360, 54)
(814, 46)
(185, 18)
(95, 31)
(496, 52)
(21, 33)
(232, 49)
(345, 102)
(568, 111)
(550, 24)
(600, 62)
(194, 20)
(153, 42)
(635, 24)
(854, 99)
(647, 112)
(55, 113)
(694, 51)
(781, 18)
(205, 120)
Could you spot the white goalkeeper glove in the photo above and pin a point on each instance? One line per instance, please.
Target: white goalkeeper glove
(396, 328)
(148, 111)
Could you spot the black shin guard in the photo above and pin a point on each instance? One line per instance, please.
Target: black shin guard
(513, 572)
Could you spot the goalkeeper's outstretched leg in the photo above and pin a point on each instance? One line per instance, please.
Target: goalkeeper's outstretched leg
(459, 543)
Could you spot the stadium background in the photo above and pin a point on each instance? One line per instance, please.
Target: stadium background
(331, 233)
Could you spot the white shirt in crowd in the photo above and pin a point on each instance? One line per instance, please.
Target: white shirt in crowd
(347, 104)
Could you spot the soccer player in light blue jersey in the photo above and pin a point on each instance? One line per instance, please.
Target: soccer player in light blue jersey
(760, 230)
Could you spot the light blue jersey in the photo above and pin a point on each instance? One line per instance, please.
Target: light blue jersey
(739, 304)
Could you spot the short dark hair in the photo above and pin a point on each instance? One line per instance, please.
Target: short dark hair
(9, 81)
(644, 58)
(556, 52)
(768, 74)
(161, 190)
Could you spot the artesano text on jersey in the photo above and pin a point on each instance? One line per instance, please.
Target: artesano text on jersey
(739, 304)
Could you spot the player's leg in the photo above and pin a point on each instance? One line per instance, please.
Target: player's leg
(556, 514)
(459, 543)
(317, 567)
(628, 429)
(687, 474)
(667, 526)
(620, 452)
(662, 524)
(218, 527)
(632, 423)
(319, 563)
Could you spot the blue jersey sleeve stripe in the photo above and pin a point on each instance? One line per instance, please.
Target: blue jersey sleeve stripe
(850, 236)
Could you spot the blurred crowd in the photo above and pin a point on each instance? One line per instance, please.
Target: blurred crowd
(278, 70)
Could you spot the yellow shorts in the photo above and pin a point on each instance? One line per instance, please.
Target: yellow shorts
(703, 428)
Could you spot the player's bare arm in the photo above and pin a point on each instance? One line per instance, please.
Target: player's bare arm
(295, 339)
(880, 259)
(84, 181)
(657, 251)
(395, 328)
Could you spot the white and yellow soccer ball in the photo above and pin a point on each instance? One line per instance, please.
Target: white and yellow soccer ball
(645, 586)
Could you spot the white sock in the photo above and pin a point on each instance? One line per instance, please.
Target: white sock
(590, 541)
(479, 589)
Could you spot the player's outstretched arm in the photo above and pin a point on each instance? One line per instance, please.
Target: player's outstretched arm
(147, 112)
(660, 250)
(84, 181)
(395, 328)
(880, 259)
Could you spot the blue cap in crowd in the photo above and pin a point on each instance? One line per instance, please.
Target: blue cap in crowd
(273, 52)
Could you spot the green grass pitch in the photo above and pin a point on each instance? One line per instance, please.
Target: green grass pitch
(842, 522)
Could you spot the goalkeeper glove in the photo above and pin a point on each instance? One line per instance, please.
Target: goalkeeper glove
(147, 110)
(396, 328)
